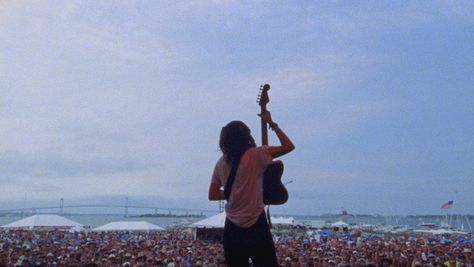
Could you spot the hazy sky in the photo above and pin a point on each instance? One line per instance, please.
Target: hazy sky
(106, 99)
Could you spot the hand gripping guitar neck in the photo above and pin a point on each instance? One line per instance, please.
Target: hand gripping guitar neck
(274, 192)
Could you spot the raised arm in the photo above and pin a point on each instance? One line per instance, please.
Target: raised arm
(286, 146)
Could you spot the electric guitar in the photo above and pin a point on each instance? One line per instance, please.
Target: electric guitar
(274, 192)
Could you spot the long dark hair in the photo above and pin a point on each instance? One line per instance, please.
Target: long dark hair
(234, 140)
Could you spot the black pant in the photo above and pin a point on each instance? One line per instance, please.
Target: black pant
(255, 242)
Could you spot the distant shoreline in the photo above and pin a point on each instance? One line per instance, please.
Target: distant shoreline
(302, 216)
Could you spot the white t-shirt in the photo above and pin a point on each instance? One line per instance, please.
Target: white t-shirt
(246, 198)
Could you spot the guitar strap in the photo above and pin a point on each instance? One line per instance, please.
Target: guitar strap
(269, 218)
(230, 180)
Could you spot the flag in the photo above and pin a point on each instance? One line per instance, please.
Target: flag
(447, 205)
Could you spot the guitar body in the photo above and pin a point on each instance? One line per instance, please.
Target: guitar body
(274, 192)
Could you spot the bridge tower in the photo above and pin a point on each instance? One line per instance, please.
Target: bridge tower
(126, 206)
(61, 206)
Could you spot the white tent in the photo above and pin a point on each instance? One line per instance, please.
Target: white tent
(216, 221)
(340, 224)
(129, 226)
(283, 221)
(42, 221)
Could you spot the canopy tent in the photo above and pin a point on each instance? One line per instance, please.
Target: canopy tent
(42, 222)
(128, 226)
(211, 228)
(340, 224)
(218, 221)
(283, 221)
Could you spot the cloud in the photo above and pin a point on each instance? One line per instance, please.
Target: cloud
(44, 164)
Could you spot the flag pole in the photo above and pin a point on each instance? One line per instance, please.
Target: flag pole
(457, 215)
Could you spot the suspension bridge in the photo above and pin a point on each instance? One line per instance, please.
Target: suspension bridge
(125, 209)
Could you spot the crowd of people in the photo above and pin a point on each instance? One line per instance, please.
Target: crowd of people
(296, 246)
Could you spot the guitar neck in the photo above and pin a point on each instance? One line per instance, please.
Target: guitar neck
(264, 129)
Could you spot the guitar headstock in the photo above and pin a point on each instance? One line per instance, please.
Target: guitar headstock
(263, 98)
